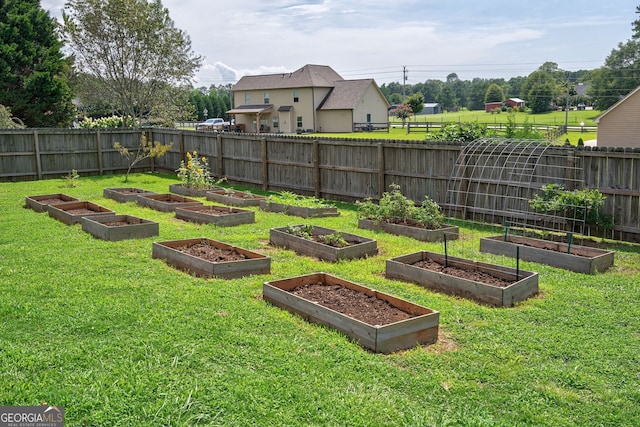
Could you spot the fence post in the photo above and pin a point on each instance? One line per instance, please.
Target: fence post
(380, 170)
(219, 150)
(316, 168)
(99, 146)
(265, 164)
(36, 146)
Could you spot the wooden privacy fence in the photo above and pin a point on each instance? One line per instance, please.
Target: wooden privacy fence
(331, 168)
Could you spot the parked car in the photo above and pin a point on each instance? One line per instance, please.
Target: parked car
(212, 124)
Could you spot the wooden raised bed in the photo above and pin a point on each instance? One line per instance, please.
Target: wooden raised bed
(166, 202)
(124, 195)
(524, 283)
(418, 233)
(581, 259)
(185, 190)
(220, 215)
(422, 328)
(73, 212)
(359, 247)
(234, 198)
(41, 203)
(304, 212)
(254, 263)
(119, 227)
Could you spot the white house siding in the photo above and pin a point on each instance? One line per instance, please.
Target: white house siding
(335, 121)
(372, 103)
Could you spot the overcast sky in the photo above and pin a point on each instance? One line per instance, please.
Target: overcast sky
(375, 39)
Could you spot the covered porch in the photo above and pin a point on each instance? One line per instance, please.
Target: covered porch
(252, 118)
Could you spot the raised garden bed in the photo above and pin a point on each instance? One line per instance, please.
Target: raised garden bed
(185, 190)
(378, 321)
(124, 195)
(209, 258)
(234, 198)
(581, 259)
(220, 215)
(487, 283)
(119, 227)
(166, 202)
(41, 203)
(73, 212)
(416, 232)
(301, 211)
(358, 246)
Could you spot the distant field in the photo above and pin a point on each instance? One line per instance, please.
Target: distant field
(552, 118)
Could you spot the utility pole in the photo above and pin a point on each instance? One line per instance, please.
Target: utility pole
(404, 83)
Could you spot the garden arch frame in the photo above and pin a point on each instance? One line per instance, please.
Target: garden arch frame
(502, 175)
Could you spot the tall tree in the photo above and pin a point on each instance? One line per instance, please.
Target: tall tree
(32, 66)
(133, 50)
(619, 75)
(539, 91)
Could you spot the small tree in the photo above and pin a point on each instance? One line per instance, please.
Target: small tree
(416, 102)
(145, 150)
(403, 112)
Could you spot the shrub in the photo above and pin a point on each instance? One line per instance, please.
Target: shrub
(107, 122)
(580, 142)
(395, 207)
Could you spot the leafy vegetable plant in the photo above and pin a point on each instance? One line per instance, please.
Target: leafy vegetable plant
(396, 208)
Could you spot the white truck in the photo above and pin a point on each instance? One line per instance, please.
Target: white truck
(213, 124)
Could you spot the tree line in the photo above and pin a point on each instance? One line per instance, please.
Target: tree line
(127, 58)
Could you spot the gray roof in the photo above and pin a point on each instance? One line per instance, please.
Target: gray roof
(346, 94)
(307, 76)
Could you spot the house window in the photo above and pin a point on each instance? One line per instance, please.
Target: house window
(247, 99)
(299, 122)
(296, 96)
(266, 97)
(368, 117)
(276, 123)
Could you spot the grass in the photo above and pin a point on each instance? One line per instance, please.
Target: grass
(119, 338)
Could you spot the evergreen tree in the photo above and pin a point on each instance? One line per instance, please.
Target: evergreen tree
(32, 66)
(494, 94)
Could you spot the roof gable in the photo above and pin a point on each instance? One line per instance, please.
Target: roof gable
(345, 95)
(307, 76)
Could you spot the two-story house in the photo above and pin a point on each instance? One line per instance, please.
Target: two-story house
(313, 98)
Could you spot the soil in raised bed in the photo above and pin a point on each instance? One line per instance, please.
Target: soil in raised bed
(80, 211)
(360, 306)
(51, 201)
(211, 253)
(115, 223)
(476, 276)
(216, 211)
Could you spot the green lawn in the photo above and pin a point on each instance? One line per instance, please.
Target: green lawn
(119, 338)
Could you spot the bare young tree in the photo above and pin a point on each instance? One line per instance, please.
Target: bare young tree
(132, 49)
